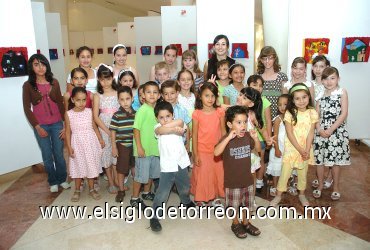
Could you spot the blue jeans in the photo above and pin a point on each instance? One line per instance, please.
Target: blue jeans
(52, 153)
(166, 181)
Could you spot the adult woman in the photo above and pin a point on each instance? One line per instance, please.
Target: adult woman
(120, 62)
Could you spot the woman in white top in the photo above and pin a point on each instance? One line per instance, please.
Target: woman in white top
(120, 62)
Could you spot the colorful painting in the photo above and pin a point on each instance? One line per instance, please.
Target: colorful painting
(210, 50)
(146, 50)
(239, 50)
(13, 61)
(179, 49)
(110, 50)
(53, 53)
(193, 46)
(314, 47)
(100, 51)
(158, 50)
(355, 49)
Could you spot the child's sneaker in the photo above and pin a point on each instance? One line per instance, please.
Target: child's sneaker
(239, 231)
(65, 185)
(136, 202)
(148, 196)
(54, 189)
(217, 203)
(155, 225)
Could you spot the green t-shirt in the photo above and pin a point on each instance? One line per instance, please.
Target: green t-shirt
(145, 121)
(221, 89)
(265, 104)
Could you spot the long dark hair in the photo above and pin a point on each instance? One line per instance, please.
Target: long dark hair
(255, 97)
(104, 72)
(291, 106)
(202, 88)
(123, 73)
(75, 91)
(319, 58)
(31, 73)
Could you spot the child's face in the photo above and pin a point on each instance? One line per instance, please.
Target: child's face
(162, 75)
(318, 68)
(170, 56)
(242, 100)
(282, 103)
(79, 79)
(39, 68)
(331, 82)
(79, 101)
(125, 100)
(120, 57)
(164, 117)
(151, 95)
(268, 61)
(301, 100)
(208, 98)
(223, 72)
(85, 59)
(239, 124)
(221, 47)
(185, 81)
(257, 85)
(170, 95)
(189, 63)
(237, 74)
(127, 80)
(141, 96)
(106, 83)
(299, 71)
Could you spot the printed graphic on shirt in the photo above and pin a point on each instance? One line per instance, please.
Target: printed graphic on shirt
(240, 152)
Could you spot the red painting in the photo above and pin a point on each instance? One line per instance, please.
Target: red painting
(355, 49)
(179, 49)
(314, 47)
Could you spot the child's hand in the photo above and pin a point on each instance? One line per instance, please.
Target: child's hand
(62, 134)
(271, 140)
(102, 143)
(196, 160)
(213, 79)
(232, 134)
(322, 134)
(278, 153)
(253, 134)
(114, 152)
(327, 132)
(71, 152)
(41, 132)
(133, 172)
(179, 131)
(140, 152)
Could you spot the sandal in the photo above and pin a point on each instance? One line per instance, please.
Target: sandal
(217, 203)
(303, 200)
(327, 184)
(292, 191)
(95, 195)
(120, 195)
(315, 183)
(335, 196)
(112, 189)
(275, 201)
(239, 231)
(200, 204)
(76, 196)
(316, 194)
(252, 230)
(273, 191)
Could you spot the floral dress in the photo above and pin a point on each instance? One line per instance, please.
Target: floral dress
(335, 149)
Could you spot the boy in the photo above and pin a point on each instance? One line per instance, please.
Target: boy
(121, 127)
(236, 148)
(162, 72)
(145, 146)
(174, 160)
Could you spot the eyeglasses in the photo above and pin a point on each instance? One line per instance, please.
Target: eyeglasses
(268, 58)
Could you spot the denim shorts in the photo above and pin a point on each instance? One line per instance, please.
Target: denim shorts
(147, 168)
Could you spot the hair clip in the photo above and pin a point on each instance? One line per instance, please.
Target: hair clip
(109, 67)
(121, 72)
(117, 46)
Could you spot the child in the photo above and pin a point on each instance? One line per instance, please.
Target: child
(120, 62)
(121, 128)
(79, 79)
(190, 62)
(145, 146)
(208, 127)
(162, 72)
(331, 141)
(299, 67)
(173, 158)
(84, 144)
(127, 78)
(236, 148)
(169, 55)
(223, 78)
(256, 82)
(231, 92)
(170, 92)
(300, 120)
(42, 92)
(276, 152)
(186, 96)
(105, 105)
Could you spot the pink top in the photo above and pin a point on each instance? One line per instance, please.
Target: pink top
(209, 129)
(46, 112)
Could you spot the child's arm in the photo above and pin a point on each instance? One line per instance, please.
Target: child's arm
(68, 136)
(97, 120)
(174, 127)
(114, 145)
(257, 143)
(226, 100)
(220, 147)
(318, 128)
(92, 99)
(268, 121)
(343, 114)
(276, 133)
(187, 145)
(292, 139)
(309, 141)
(140, 150)
(195, 143)
(66, 100)
(97, 133)
(312, 92)
(223, 128)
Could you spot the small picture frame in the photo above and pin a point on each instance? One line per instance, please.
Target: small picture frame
(158, 50)
(239, 50)
(71, 52)
(110, 50)
(53, 53)
(146, 50)
(100, 51)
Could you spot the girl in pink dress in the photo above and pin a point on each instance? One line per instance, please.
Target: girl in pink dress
(84, 144)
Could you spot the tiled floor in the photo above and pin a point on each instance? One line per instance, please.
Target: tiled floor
(22, 227)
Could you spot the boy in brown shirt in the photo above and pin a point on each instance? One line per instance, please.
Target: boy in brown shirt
(236, 148)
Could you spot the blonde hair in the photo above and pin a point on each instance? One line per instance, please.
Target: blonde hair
(161, 65)
(191, 54)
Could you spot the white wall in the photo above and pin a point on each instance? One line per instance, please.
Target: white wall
(18, 144)
(126, 36)
(343, 19)
(110, 38)
(173, 23)
(41, 34)
(148, 31)
(235, 19)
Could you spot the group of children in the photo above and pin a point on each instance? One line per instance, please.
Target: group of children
(220, 128)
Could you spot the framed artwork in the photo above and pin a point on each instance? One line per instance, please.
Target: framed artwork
(355, 49)
(158, 50)
(71, 52)
(193, 46)
(64, 53)
(128, 49)
(92, 51)
(38, 51)
(179, 48)
(110, 50)
(210, 50)
(146, 50)
(53, 53)
(13, 61)
(314, 47)
(239, 50)
(100, 51)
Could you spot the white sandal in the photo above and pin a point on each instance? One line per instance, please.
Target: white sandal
(327, 184)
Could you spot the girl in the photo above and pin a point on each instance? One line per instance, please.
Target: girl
(223, 78)
(231, 92)
(221, 46)
(300, 120)
(120, 62)
(269, 68)
(105, 105)
(79, 79)
(208, 127)
(170, 55)
(331, 142)
(186, 96)
(84, 56)
(299, 67)
(190, 62)
(319, 63)
(42, 92)
(84, 143)
(127, 78)
(276, 152)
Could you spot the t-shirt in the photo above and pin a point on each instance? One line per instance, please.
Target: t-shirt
(232, 93)
(179, 112)
(144, 122)
(172, 152)
(122, 122)
(237, 162)
(221, 90)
